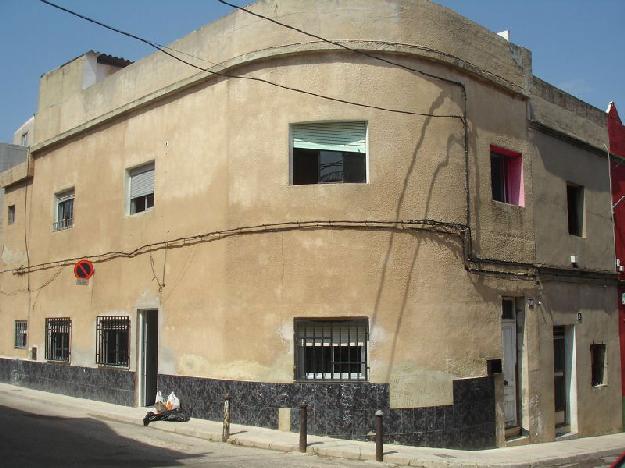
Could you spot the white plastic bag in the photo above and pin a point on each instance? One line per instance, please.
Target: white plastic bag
(159, 397)
(172, 402)
(159, 403)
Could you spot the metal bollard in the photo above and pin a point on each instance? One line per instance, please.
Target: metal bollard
(303, 427)
(225, 435)
(379, 436)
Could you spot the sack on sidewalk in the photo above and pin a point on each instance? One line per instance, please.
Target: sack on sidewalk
(175, 415)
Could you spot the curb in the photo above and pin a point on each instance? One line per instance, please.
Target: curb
(338, 448)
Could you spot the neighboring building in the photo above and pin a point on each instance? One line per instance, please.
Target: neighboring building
(453, 268)
(616, 133)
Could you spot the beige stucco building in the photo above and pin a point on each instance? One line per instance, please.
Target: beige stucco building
(429, 235)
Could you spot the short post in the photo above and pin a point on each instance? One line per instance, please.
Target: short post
(303, 427)
(379, 436)
(225, 435)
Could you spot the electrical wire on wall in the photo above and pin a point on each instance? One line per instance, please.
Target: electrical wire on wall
(473, 262)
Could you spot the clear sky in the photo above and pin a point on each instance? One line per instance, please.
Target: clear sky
(578, 45)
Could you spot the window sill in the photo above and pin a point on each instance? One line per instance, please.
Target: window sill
(114, 366)
(58, 362)
(62, 229)
(319, 381)
(600, 386)
(140, 213)
(502, 204)
(291, 184)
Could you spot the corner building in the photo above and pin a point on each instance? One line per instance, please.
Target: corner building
(451, 264)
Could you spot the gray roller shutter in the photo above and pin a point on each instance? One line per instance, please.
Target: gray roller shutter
(142, 181)
(331, 136)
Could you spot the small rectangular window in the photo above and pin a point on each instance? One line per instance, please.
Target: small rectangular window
(113, 339)
(58, 339)
(25, 139)
(597, 355)
(329, 152)
(11, 214)
(21, 333)
(141, 188)
(506, 171)
(64, 210)
(575, 207)
(331, 349)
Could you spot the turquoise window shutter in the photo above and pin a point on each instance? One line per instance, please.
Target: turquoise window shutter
(331, 136)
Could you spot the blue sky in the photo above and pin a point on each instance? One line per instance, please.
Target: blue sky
(578, 45)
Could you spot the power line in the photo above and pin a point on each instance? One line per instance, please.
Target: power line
(164, 50)
(342, 46)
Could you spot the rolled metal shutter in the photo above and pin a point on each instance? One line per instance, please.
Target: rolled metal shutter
(331, 136)
(142, 181)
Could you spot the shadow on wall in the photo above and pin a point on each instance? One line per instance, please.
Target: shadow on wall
(412, 168)
(52, 441)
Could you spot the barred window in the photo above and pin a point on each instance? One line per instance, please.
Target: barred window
(21, 333)
(58, 336)
(113, 339)
(331, 349)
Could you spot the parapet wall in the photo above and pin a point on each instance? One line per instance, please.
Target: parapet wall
(419, 28)
(564, 113)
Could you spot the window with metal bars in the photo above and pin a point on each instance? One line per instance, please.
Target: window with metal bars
(113, 340)
(21, 333)
(58, 338)
(331, 349)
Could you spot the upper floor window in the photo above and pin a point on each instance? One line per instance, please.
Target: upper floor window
(10, 214)
(575, 208)
(506, 175)
(331, 349)
(141, 188)
(64, 210)
(597, 363)
(329, 152)
(25, 139)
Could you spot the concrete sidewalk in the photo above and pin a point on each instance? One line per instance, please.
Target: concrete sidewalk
(579, 452)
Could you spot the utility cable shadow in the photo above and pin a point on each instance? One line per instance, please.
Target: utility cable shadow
(451, 141)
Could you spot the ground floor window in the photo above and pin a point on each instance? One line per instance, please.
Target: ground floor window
(331, 349)
(113, 339)
(58, 336)
(597, 354)
(21, 333)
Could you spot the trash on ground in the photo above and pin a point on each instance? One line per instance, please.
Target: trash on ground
(175, 415)
(169, 410)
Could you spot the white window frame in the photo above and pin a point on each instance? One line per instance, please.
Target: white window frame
(367, 149)
(59, 198)
(132, 172)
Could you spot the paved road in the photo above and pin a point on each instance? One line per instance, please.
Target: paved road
(33, 434)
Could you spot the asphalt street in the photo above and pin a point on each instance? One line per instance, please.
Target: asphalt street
(37, 435)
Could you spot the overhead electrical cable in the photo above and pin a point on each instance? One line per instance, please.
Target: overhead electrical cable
(162, 49)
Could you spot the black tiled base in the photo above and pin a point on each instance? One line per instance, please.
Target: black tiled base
(343, 410)
(346, 410)
(104, 384)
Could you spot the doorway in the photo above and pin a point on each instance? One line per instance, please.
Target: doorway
(510, 360)
(148, 356)
(564, 379)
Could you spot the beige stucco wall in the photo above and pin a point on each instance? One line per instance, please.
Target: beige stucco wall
(221, 153)
(598, 408)
(559, 162)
